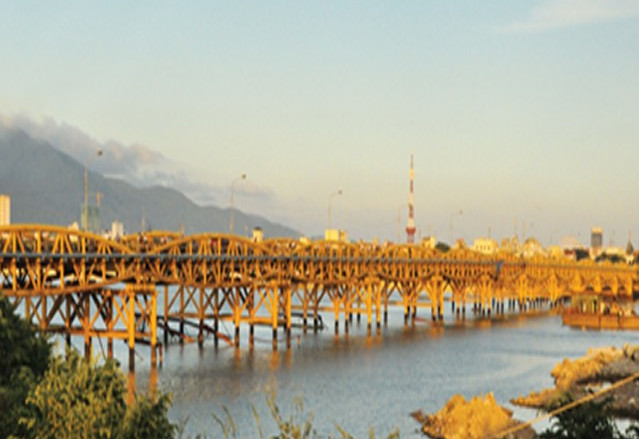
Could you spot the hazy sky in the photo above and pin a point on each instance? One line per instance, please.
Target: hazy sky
(523, 111)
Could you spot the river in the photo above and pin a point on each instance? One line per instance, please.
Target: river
(359, 382)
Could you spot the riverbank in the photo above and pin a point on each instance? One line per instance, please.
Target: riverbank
(597, 370)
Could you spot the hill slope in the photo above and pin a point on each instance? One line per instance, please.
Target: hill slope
(47, 186)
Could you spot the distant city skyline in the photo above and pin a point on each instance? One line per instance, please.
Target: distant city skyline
(521, 115)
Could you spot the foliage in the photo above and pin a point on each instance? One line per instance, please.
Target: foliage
(148, 418)
(581, 253)
(78, 398)
(24, 356)
(591, 420)
(442, 247)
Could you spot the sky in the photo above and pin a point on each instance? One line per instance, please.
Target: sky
(523, 117)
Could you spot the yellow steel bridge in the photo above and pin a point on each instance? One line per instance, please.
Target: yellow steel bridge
(78, 283)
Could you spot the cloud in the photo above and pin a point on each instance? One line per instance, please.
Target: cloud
(557, 14)
(136, 164)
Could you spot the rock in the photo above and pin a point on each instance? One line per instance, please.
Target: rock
(583, 375)
(476, 418)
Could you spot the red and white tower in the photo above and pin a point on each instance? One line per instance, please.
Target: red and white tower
(410, 225)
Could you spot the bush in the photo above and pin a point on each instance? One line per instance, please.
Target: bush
(24, 357)
(78, 398)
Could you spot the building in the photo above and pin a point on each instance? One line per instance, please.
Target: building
(5, 210)
(596, 242)
(335, 235)
(486, 246)
(429, 242)
(117, 230)
(258, 234)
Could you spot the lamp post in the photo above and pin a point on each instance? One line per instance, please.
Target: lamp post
(86, 191)
(452, 215)
(241, 177)
(330, 200)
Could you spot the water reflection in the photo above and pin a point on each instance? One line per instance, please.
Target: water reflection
(390, 373)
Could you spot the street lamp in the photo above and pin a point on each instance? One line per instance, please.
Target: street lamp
(86, 191)
(452, 215)
(242, 177)
(330, 200)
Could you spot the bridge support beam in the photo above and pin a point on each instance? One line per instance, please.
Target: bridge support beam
(216, 323)
(153, 324)
(131, 327)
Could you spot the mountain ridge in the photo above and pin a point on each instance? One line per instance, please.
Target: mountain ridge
(46, 186)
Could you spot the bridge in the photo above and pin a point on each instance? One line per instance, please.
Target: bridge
(80, 284)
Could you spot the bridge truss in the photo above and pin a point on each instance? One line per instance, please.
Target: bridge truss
(76, 283)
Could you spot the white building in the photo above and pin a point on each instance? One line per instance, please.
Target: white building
(429, 242)
(258, 234)
(335, 235)
(5, 210)
(486, 246)
(117, 230)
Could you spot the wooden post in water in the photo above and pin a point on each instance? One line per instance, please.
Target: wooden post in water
(200, 315)
(86, 323)
(109, 305)
(251, 299)
(216, 312)
(182, 311)
(154, 327)
(275, 313)
(288, 299)
(130, 296)
(166, 315)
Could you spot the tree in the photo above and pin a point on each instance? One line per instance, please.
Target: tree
(79, 398)
(590, 420)
(442, 247)
(147, 418)
(24, 357)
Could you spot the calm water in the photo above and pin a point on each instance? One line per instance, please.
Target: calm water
(360, 382)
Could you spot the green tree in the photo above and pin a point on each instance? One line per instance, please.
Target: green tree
(591, 420)
(148, 418)
(79, 398)
(442, 247)
(24, 357)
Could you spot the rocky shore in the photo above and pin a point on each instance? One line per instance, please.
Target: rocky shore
(596, 370)
(481, 417)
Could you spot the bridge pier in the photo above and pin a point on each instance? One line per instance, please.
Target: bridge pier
(110, 348)
(216, 339)
(166, 315)
(216, 324)
(87, 348)
(275, 338)
(251, 335)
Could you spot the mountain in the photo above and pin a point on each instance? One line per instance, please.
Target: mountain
(47, 186)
